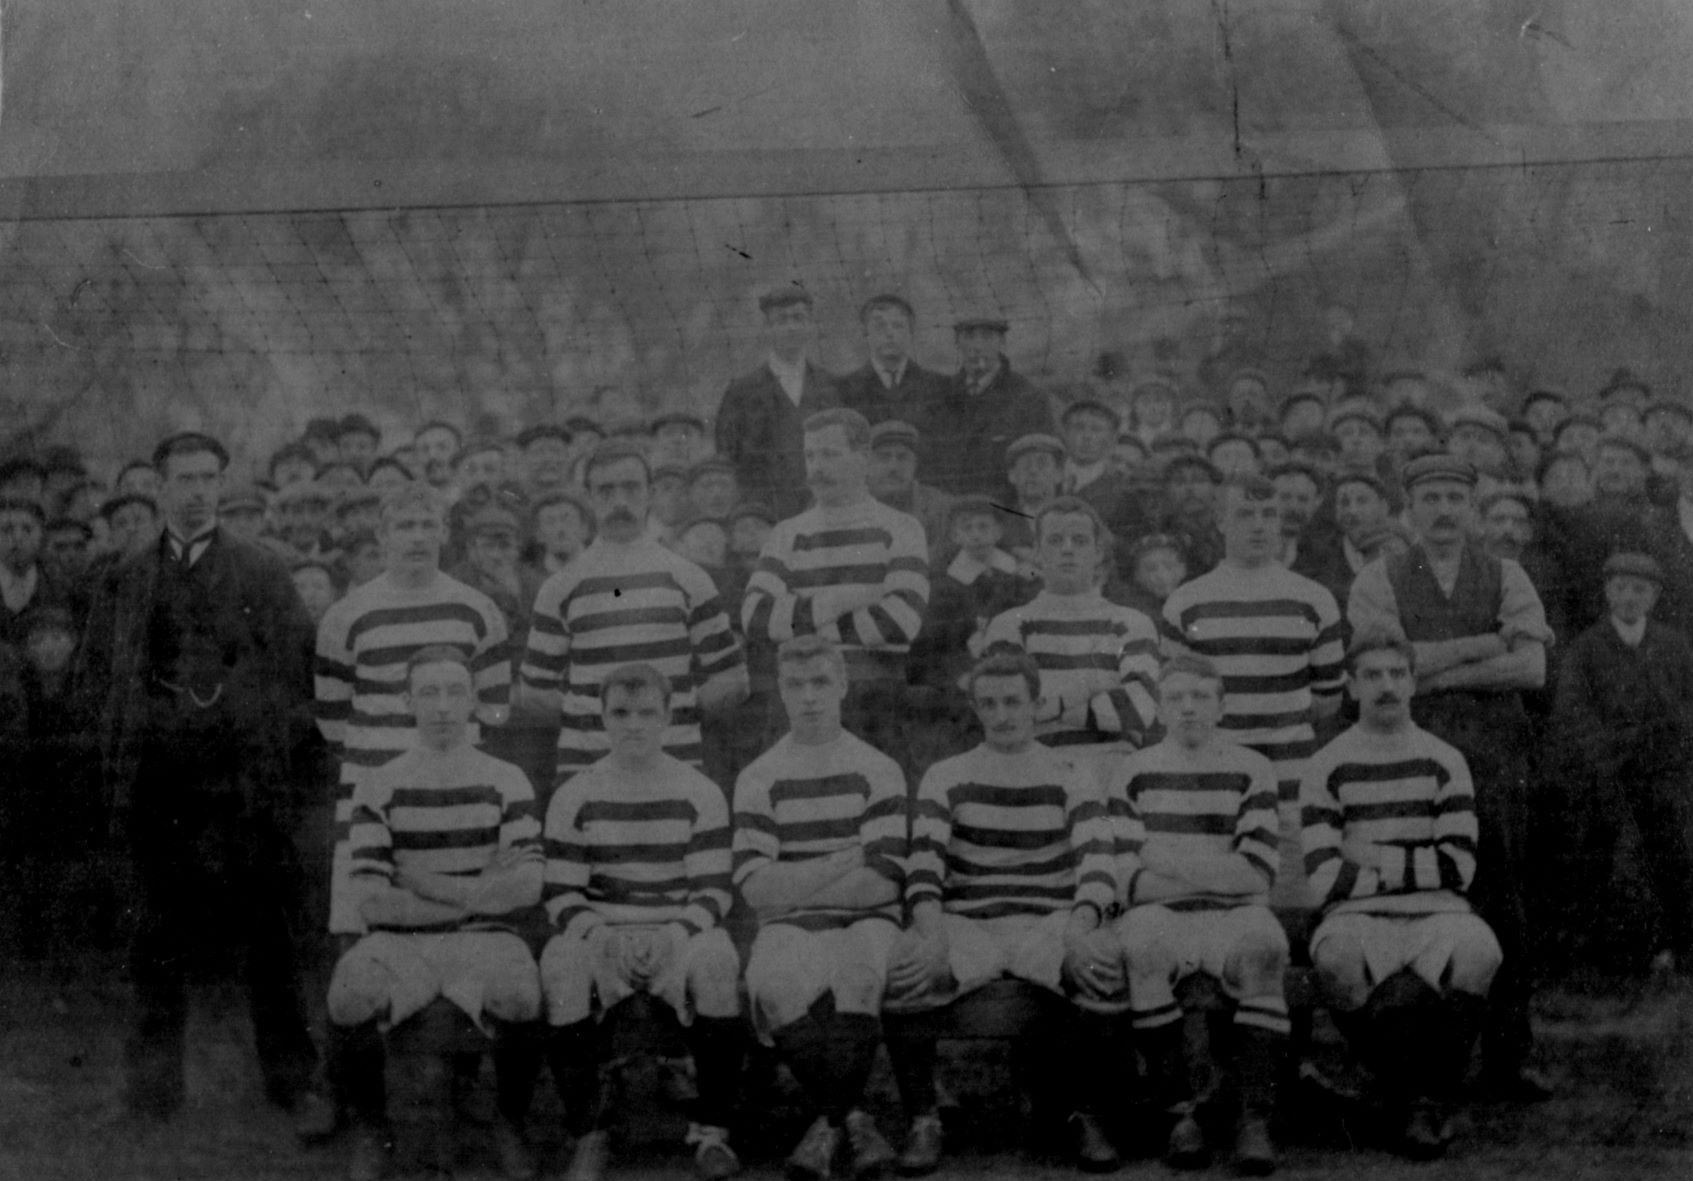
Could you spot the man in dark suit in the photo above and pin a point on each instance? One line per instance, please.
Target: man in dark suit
(890, 385)
(197, 668)
(758, 421)
(1090, 432)
(984, 408)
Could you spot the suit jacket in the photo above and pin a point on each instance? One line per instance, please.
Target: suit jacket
(909, 401)
(759, 431)
(269, 692)
(964, 435)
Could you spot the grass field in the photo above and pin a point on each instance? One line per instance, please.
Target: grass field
(1622, 1053)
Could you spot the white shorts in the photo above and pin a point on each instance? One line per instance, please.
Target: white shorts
(391, 975)
(980, 951)
(1162, 947)
(578, 982)
(1425, 943)
(789, 968)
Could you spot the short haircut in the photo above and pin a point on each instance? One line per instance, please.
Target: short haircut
(1359, 476)
(633, 678)
(437, 654)
(414, 494)
(189, 443)
(1513, 493)
(1380, 638)
(1004, 659)
(1251, 487)
(1078, 506)
(438, 424)
(357, 424)
(783, 296)
(1232, 437)
(854, 424)
(887, 300)
(566, 496)
(23, 504)
(1555, 457)
(970, 506)
(142, 465)
(1298, 467)
(801, 649)
(1191, 664)
(384, 462)
(612, 451)
(476, 447)
(116, 504)
(289, 453)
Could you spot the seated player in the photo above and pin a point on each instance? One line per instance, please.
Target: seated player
(445, 848)
(637, 884)
(1010, 876)
(1096, 658)
(1195, 819)
(819, 841)
(1390, 839)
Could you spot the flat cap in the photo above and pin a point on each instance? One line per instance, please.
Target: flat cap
(1636, 565)
(1669, 406)
(1037, 442)
(358, 497)
(1156, 383)
(1579, 418)
(1303, 395)
(492, 518)
(677, 418)
(355, 423)
(781, 295)
(982, 324)
(542, 430)
(1624, 379)
(113, 505)
(1481, 417)
(60, 524)
(752, 508)
(1629, 443)
(1356, 411)
(241, 496)
(1359, 475)
(670, 471)
(1544, 394)
(970, 506)
(893, 432)
(711, 463)
(1425, 468)
(1186, 459)
(305, 492)
(1091, 406)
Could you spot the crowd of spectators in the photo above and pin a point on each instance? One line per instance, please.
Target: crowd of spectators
(1198, 512)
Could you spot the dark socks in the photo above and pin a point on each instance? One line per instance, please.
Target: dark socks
(831, 1054)
(1165, 1049)
(911, 1051)
(718, 1045)
(1259, 1055)
(355, 1067)
(518, 1050)
(575, 1053)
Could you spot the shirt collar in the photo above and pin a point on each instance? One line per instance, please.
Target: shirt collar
(196, 545)
(890, 377)
(1082, 475)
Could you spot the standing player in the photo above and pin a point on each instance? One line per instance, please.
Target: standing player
(1275, 637)
(849, 569)
(819, 841)
(627, 598)
(1010, 875)
(1196, 828)
(445, 847)
(1097, 659)
(637, 884)
(1390, 841)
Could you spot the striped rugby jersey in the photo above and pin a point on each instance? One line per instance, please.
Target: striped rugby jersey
(1276, 638)
(1217, 801)
(404, 815)
(1074, 639)
(1409, 795)
(652, 848)
(995, 834)
(614, 604)
(865, 544)
(795, 802)
(363, 644)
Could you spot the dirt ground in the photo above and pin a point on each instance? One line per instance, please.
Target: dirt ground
(1621, 1052)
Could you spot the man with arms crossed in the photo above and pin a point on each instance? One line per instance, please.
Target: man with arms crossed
(819, 842)
(1390, 843)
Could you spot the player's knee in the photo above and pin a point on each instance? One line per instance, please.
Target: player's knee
(1256, 964)
(1476, 958)
(858, 988)
(358, 991)
(514, 995)
(1339, 961)
(1146, 945)
(714, 980)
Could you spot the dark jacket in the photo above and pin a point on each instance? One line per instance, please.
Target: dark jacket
(963, 439)
(759, 431)
(1618, 704)
(269, 691)
(909, 401)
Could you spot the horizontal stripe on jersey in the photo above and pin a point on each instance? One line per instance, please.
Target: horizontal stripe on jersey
(656, 851)
(797, 802)
(1408, 796)
(995, 834)
(616, 604)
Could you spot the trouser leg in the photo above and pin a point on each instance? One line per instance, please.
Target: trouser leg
(287, 1057)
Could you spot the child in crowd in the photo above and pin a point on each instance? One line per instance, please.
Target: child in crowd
(316, 583)
(1156, 567)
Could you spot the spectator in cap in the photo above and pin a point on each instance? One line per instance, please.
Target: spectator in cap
(493, 546)
(1477, 436)
(480, 463)
(1305, 412)
(1522, 446)
(984, 408)
(1620, 475)
(1510, 527)
(1620, 418)
(1580, 432)
(1310, 541)
(670, 507)
(704, 541)
(1034, 467)
(1564, 480)
(358, 511)
(436, 442)
(340, 478)
(678, 437)
(1273, 451)
(241, 510)
(197, 665)
(132, 523)
(894, 446)
(713, 490)
(562, 526)
(1359, 434)
(1627, 386)
(142, 477)
(290, 464)
(387, 474)
(315, 582)
(1246, 399)
(320, 437)
(749, 528)
(759, 418)
(358, 440)
(1361, 504)
(1156, 566)
(1480, 633)
(890, 384)
(301, 513)
(543, 454)
(1407, 387)
(1492, 384)
(1668, 427)
(1234, 454)
(66, 552)
(1090, 427)
(24, 585)
(1190, 495)
(1622, 723)
(1201, 422)
(23, 478)
(361, 557)
(1129, 456)
(1152, 408)
(1544, 409)
(1413, 430)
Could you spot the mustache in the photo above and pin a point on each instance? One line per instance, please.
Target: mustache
(1389, 699)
